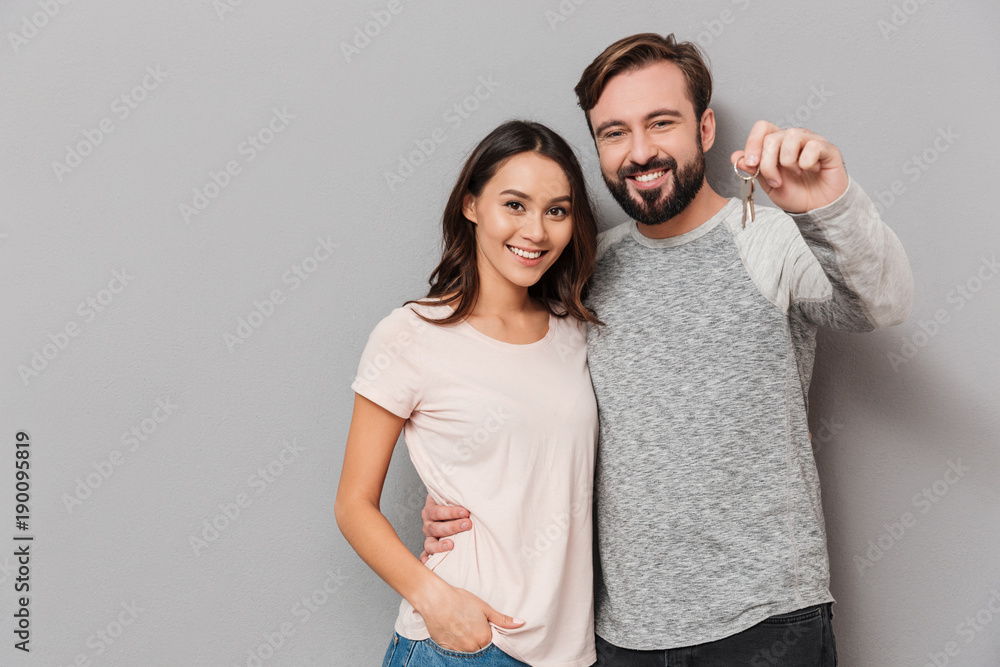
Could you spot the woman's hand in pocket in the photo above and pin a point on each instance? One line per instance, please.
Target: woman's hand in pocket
(459, 621)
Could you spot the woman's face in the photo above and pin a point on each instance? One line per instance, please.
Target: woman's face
(524, 219)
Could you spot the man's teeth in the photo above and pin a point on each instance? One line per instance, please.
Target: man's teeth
(525, 253)
(646, 178)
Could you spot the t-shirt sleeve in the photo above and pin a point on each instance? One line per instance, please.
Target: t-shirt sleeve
(389, 371)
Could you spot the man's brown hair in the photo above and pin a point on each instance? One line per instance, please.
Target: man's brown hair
(637, 51)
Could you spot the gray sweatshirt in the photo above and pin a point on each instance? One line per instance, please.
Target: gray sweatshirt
(708, 509)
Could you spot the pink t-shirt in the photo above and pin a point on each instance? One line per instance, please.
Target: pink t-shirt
(508, 432)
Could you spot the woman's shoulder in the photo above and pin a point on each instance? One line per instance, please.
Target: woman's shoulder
(571, 329)
(407, 318)
(430, 307)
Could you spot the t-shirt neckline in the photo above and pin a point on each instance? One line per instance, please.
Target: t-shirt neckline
(544, 340)
(473, 331)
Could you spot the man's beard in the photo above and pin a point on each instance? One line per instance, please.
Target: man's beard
(653, 209)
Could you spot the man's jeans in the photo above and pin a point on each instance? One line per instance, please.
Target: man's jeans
(802, 638)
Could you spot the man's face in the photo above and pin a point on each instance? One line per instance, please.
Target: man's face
(649, 142)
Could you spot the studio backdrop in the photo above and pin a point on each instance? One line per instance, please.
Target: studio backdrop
(207, 205)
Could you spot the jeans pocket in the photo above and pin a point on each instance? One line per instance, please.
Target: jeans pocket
(391, 651)
(797, 616)
(459, 654)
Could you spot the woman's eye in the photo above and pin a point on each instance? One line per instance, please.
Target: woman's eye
(515, 205)
(558, 211)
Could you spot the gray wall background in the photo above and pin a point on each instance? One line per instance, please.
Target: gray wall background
(248, 460)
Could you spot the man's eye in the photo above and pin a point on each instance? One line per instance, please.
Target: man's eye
(613, 134)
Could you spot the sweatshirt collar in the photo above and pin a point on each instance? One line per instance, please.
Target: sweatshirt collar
(686, 237)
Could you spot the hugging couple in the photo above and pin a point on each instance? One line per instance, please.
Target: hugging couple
(612, 427)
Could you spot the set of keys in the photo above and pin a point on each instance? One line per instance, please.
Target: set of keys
(746, 192)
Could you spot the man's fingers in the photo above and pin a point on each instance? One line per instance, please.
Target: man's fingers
(799, 169)
(813, 155)
(446, 528)
(770, 150)
(444, 512)
(755, 142)
(775, 150)
(739, 159)
(790, 150)
(433, 545)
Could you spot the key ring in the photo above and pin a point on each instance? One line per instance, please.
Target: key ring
(740, 172)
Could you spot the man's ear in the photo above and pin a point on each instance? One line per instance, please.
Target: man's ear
(469, 208)
(707, 129)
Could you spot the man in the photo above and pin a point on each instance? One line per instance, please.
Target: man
(710, 534)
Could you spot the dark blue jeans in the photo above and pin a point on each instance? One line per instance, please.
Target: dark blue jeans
(403, 652)
(802, 638)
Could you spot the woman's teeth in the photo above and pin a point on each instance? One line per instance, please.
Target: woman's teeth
(646, 178)
(525, 253)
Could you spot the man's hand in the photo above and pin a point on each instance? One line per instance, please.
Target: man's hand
(799, 170)
(441, 521)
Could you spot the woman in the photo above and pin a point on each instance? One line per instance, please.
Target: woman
(487, 378)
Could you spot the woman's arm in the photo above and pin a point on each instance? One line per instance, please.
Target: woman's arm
(455, 618)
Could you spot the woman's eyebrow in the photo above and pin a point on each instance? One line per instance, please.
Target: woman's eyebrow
(518, 193)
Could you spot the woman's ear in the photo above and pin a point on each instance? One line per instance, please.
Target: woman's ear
(469, 208)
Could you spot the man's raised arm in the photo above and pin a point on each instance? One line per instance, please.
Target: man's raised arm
(852, 273)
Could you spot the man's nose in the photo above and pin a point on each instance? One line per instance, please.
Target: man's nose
(642, 149)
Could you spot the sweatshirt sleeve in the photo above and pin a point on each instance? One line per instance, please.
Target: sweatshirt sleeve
(856, 276)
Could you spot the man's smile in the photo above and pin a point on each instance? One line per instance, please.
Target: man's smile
(648, 180)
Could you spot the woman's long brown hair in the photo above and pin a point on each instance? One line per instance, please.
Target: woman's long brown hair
(563, 287)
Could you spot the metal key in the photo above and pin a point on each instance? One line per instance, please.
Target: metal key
(747, 188)
(746, 194)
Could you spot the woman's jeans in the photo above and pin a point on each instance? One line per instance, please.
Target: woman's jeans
(403, 652)
(802, 638)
